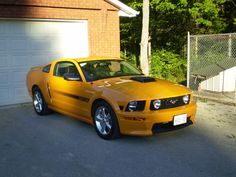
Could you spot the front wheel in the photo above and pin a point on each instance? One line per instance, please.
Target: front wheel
(105, 121)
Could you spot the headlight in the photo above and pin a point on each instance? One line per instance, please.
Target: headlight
(157, 104)
(186, 99)
(136, 106)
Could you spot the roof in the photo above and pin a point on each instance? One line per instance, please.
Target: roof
(96, 58)
(125, 11)
(88, 59)
(213, 69)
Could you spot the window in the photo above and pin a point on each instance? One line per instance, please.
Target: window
(47, 68)
(101, 69)
(62, 68)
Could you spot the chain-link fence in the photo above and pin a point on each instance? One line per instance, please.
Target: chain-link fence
(212, 63)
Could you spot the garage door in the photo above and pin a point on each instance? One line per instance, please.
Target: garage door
(24, 44)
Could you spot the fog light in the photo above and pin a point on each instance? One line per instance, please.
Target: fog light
(186, 99)
(157, 104)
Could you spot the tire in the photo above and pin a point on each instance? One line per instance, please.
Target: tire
(39, 103)
(105, 121)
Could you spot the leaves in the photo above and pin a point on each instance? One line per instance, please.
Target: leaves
(168, 65)
(170, 20)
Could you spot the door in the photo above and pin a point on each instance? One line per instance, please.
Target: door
(28, 43)
(67, 95)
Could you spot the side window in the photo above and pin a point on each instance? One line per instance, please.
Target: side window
(47, 68)
(62, 68)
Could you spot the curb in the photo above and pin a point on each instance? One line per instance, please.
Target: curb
(16, 105)
(200, 97)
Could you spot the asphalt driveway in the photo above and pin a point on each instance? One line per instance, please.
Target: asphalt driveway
(58, 146)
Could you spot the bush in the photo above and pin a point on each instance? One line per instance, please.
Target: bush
(131, 58)
(169, 66)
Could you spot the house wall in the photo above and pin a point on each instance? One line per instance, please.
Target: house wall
(103, 19)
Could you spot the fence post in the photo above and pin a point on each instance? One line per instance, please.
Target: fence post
(235, 87)
(188, 59)
(230, 55)
(196, 47)
(230, 46)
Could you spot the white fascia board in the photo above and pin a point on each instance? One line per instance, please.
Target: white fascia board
(125, 11)
(124, 14)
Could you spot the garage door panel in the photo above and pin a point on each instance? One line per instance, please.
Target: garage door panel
(38, 29)
(18, 77)
(39, 44)
(24, 44)
(15, 28)
(39, 58)
(20, 93)
(3, 44)
(19, 60)
(4, 78)
(18, 44)
(5, 95)
(4, 60)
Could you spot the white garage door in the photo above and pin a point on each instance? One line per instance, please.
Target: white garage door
(24, 44)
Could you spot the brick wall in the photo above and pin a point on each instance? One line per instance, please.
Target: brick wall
(103, 19)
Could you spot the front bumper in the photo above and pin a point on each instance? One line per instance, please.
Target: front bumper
(147, 122)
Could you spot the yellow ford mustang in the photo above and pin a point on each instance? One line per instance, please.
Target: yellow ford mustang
(110, 94)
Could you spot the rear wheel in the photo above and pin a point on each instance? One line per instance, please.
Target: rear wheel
(105, 121)
(39, 103)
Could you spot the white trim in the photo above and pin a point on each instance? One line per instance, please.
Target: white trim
(125, 11)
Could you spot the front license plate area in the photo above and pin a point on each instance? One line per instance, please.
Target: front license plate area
(180, 119)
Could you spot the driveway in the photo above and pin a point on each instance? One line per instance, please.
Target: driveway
(58, 146)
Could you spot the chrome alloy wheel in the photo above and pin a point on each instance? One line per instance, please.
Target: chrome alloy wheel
(38, 101)
(103, 120)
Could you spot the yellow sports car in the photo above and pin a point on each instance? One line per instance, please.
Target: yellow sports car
(110, 94)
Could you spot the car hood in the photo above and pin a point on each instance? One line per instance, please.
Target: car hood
(142, 90)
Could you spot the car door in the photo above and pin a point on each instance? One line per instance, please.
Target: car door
(70, 96)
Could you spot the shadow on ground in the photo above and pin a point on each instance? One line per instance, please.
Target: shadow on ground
(59, 146)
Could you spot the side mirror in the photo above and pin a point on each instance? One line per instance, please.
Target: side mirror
(71, 77)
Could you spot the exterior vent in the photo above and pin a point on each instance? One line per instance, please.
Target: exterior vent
(143, 79)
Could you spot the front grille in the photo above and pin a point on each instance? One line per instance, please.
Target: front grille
(161, 127)
(169, 103)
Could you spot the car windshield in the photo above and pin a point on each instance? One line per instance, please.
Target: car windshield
(102, 69)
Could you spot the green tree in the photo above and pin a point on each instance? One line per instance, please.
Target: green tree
(171, 19)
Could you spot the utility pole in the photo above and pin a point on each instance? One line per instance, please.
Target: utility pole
(144, 39)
